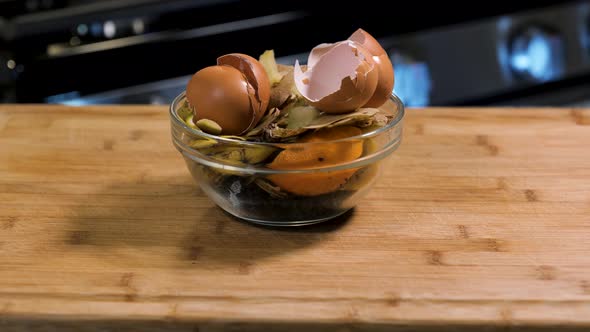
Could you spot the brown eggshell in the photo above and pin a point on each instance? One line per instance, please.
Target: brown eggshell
(352, 94)
(356, 87)
(386, 75)
(220, 93)
(255, 75)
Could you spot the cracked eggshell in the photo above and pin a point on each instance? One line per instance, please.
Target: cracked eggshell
(340, 77)
(256, 77)
(235, 93)
(386, 79)
(220, 93)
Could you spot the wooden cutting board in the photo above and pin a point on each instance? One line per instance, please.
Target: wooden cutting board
(482, 219)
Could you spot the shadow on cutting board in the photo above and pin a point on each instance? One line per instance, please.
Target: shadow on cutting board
(175, 225)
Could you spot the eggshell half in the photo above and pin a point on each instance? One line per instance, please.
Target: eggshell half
(220, 93)
(340, 77)
(386, 79)
(255, 75)
(235, 93)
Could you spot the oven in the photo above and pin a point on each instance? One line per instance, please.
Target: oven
(144, 51)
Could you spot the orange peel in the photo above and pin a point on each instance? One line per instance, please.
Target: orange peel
(313, 156)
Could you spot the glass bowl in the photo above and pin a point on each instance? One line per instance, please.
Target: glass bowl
(246, 179)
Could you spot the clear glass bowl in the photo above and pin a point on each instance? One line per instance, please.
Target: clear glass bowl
(241, 177)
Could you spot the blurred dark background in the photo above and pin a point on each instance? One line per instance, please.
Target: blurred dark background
(143, 51)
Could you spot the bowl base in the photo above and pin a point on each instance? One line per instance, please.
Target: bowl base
(285, 223)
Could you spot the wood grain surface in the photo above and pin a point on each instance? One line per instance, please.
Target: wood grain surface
(482, 219)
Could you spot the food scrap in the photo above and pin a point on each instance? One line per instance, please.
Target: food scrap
(335, 96)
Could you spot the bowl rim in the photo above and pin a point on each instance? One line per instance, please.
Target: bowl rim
(179, 122)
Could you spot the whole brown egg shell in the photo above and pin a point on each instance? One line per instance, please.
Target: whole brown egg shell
(234, 93)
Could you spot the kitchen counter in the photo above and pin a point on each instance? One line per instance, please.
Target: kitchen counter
(482, 219)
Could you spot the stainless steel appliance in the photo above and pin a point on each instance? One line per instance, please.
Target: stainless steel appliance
(534, 57)
(144, 51)
(71, 49)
